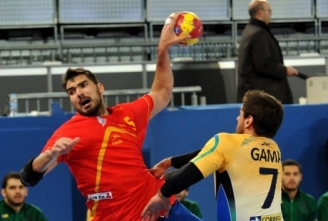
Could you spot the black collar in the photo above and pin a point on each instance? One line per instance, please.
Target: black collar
(260, 23)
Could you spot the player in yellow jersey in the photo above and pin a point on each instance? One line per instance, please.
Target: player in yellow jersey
(247, 166)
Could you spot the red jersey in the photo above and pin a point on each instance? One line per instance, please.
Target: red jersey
(108, 164)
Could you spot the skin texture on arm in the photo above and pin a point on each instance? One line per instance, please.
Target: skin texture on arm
(47, 161)
(160, 168)
(161, 90)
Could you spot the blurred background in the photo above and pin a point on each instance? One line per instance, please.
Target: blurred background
(117, 40)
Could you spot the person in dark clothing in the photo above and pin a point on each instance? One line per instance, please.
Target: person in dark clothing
(295, 203)
(260, 61)
(13, 207)
(322, 208)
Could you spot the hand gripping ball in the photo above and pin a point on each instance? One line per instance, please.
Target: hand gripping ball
(189, 23)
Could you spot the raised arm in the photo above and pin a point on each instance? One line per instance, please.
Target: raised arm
(161, 90)
(35, 168)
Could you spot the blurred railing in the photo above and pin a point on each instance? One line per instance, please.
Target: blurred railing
(42, 101)
(81, 31)
(100, 52)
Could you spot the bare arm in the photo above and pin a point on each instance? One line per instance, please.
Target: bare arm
(178, 181)
(34, 170)
(62, 146)
(161, 90)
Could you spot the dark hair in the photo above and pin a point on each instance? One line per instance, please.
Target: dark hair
(255, 6)
(72, 73)
(266, 110)
(291, 162)
(10, 175)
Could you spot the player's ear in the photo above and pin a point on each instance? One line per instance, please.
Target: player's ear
(249, 120)
(26, 191)
(101, 88)
(3, 193)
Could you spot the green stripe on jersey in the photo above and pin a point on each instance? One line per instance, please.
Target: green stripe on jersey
(216, 143)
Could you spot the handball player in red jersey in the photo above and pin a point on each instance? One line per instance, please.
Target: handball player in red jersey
(102, 145)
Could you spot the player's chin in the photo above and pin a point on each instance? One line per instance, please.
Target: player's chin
(83, 111)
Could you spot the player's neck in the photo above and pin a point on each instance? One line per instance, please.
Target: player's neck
(291, 193)
(103, 112)
(251, 132)
(16, 208)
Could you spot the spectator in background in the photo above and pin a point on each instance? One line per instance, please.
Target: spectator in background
(322, 209)
(260, 61)
(296, 205)
(13, 207)
(192, 206)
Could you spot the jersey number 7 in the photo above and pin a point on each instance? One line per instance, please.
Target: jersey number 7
(274, 173)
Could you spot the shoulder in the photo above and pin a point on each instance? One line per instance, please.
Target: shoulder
(190, 202)
(324, 196)
(72, 125)
(254, 29)
(145, 100)
(231, 136)
(306, 196)
(74, 120)
(323, 199)
(256, 33)
(32, 207)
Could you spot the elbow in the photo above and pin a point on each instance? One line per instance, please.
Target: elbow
(167, 97)
(28, 176)
(164, 95)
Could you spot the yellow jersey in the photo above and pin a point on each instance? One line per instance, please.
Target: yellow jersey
(248, 174)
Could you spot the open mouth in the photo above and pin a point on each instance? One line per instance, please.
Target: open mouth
(85, 101)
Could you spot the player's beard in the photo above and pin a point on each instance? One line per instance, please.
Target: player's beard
(12, 203)
(290, 189)
(239, 129)
(96, 109)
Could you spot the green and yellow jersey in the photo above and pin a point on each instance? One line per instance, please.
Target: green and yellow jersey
(248, 173)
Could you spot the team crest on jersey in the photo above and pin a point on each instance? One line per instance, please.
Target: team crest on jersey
(5, 216)
(102, 121)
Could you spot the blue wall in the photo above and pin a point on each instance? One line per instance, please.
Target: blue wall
(20, 140)
(302, 137)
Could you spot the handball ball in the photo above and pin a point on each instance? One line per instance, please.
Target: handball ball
(189, 23)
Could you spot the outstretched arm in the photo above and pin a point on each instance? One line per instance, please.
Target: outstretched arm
(34, 169)
(177, 161)
(207, 161)
(161, 90)
(178, 181)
